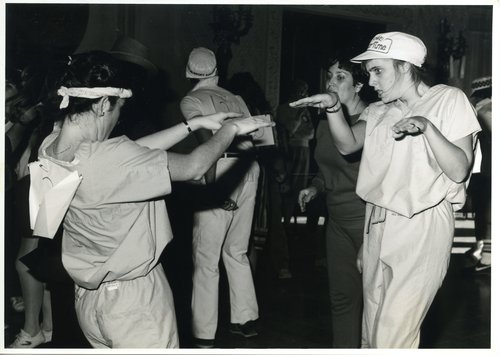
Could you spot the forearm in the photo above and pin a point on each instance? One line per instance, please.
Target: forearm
(347, 139)
(455, 161)
(194, 165)
(319, 183)
(169, 137)
(166, 138)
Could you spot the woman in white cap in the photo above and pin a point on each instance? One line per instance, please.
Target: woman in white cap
(108, 192)
(417, 154)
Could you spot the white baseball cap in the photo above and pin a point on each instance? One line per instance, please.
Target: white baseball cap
(395, 45)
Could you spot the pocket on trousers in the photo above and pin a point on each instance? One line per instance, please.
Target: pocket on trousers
(136, 328)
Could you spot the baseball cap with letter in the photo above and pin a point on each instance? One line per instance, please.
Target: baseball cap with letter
(395, 45)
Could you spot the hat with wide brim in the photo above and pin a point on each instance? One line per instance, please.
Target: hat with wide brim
(133, 51)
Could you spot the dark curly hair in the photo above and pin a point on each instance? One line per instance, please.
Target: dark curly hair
(91, 69)
(359, 74)
(344, 59)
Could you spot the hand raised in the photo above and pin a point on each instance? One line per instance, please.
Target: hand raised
(409, 126)
(212, 122)
(246, 125)
(319, 100)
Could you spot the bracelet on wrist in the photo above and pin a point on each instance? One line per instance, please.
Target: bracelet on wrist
(187, 126)
(334, 108)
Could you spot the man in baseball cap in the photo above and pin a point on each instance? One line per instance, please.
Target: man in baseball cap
(222, 226)
(395, 45)
(201, 64)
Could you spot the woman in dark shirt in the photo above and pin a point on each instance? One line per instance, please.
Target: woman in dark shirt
(337, 177)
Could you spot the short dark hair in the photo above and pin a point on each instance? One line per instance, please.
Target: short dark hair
(358, 72)
(90, 69)
(343, 58)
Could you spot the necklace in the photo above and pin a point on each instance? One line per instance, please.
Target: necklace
(61, 151)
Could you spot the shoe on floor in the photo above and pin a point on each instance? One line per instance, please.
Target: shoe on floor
(204, 343)
(24, 340)
(47, 334)
(247, 329)
(482, 267)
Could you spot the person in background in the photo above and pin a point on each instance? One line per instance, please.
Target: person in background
(223, 226)
(115, 222)
(297, 129)
(480, 184)
(140, 116)
(417, 155)
(23, 115)
(13, 294)
(337, 177)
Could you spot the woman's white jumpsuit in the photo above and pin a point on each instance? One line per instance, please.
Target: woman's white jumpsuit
(406, 254)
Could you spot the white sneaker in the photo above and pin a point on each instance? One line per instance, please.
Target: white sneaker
(24, 340)
(47, 334)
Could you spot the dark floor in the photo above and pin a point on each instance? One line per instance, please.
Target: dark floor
(294, 313)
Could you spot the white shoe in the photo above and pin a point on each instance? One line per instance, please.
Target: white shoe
(47, 334)
(24, 340)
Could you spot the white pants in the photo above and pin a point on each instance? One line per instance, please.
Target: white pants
(404, 263)
(218, 231)
(129, 314)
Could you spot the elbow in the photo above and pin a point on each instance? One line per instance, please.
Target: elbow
(197, 176)
(344, 151)
(462, 171)
(198, 167)
(193, 169)
(461, 178)
(348, 147)
(460, 175)
(347, 150)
